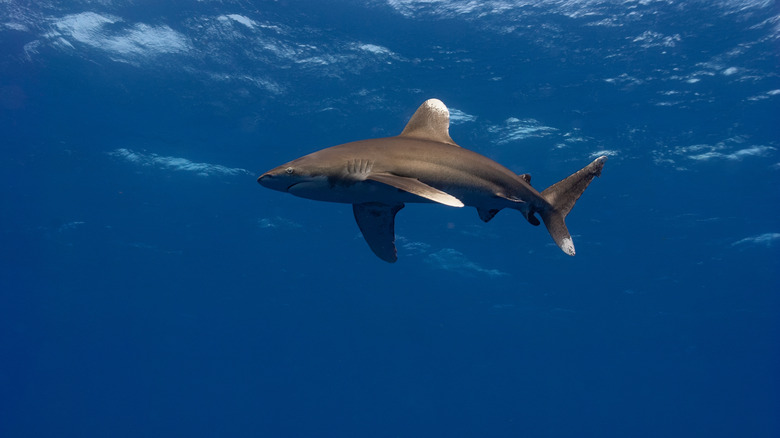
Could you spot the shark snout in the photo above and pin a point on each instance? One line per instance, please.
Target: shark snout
(279, 179)
(264, 179)
(273, 181)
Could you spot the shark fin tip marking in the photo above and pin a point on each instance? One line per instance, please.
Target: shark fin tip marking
(430, 122)
(567, 245)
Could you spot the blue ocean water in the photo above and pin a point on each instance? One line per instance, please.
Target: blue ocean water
(150, 287)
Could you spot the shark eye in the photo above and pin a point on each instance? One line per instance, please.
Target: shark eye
(289, 170)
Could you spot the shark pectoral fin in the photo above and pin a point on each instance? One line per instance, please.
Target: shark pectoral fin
(417, 187)
(377, 223)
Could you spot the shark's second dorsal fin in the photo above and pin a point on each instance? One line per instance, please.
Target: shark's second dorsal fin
(430, 122)
(526, 177)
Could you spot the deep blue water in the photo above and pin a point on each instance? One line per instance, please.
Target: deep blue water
(150, 287)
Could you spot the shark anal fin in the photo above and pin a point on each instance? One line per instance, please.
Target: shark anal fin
(486, 214)
(377, 223)
(532, 219)
(417, 187)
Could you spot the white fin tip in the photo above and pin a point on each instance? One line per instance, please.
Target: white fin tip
(437, 106)
(567, 245)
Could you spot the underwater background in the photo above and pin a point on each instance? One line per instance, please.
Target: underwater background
(150, 287)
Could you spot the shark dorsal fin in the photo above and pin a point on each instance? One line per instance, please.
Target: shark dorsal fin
(430, 122)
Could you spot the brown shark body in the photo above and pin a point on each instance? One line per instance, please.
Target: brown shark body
(423, 164)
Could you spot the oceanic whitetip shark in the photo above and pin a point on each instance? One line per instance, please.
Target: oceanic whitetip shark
(423, 164)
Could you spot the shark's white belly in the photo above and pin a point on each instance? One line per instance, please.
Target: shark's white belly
(354, 193)
(359, 192)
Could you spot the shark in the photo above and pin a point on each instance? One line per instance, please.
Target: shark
(424, 165)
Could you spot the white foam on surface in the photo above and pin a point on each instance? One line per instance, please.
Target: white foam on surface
(597, 12)
(650, 39)
(604, 153)
(766, 239)
(452, 260)
(457, 116)
(130, 41)
(515, 129)
(248, 22)
(734, 149)
(84, 27)
(375, 49)
(739, 154)
(16, 26)
(176, 163)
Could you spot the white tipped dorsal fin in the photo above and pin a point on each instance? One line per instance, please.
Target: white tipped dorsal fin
(430, 122)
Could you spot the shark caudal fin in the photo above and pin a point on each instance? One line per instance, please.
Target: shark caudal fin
(561, 196)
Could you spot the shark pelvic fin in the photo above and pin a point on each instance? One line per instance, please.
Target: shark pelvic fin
(377, 223)
(430, 122)
(417, 187)
(486, 214)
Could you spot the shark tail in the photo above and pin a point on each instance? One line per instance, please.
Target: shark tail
(562, 196)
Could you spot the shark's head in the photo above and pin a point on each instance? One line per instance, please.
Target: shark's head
(292, 176)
